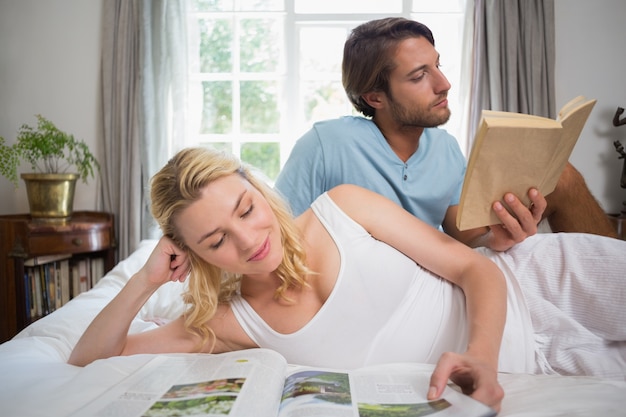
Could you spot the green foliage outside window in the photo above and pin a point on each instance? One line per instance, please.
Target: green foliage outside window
(259, 107)
(263, 156)
(216, 42)
(217, 116)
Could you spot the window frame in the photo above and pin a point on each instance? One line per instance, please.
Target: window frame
(290, 97)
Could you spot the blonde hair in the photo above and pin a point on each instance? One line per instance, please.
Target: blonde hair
(177, 185)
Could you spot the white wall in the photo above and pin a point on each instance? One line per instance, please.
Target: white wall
(590, 61)
(50, 65)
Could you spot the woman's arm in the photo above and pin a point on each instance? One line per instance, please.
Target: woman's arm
(479, 278)
(107, 335)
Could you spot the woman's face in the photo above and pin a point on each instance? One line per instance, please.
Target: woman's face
(233, 227)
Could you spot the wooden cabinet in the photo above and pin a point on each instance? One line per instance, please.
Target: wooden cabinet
(88, 234)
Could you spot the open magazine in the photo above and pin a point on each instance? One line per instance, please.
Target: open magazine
(260, 383)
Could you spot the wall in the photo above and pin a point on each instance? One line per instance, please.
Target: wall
(590, 61)
(50, 65)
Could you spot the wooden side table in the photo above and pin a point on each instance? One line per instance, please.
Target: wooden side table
(88, 234)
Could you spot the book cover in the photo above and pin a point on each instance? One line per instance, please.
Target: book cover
(514, 152)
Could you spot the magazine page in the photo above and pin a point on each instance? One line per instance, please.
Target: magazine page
(239, 384)
(316, 392)
(387, 390)
(400, 390)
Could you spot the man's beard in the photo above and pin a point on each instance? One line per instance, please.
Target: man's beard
(417, 117)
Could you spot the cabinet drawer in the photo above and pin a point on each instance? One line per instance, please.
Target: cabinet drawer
(73, 242)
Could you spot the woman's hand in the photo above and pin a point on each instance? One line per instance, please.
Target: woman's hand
(474, 376)
(167, 262)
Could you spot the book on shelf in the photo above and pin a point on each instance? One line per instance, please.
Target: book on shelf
(514, 152)
(48, 273)
(75, 279)
(44, 259)
(36, 292)
(260, 383)
(53, 280)
(83, 276)
(96, 270)
(66, 282)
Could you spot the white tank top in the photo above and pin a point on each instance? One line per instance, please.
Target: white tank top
(383, 308)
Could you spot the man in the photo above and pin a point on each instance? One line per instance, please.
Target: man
(391, 74)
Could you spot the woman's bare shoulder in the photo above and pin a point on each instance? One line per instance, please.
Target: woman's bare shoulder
(229, 335)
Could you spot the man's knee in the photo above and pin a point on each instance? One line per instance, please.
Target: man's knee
(571, 180)
(571, 183)
(573, 208)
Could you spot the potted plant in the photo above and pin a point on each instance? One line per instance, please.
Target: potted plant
(57, 160)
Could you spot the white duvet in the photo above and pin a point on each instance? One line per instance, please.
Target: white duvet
(35, 379)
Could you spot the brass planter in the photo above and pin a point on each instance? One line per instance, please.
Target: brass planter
(50, 196)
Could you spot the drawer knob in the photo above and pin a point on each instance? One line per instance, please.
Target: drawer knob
(77, 241)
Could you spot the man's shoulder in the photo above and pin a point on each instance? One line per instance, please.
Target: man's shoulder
(439, 138)
(344, 126)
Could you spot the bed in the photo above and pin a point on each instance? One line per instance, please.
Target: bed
(35, 379)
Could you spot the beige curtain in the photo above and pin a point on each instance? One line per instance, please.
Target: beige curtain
(513, 58)
(121, 169)
(143, 79)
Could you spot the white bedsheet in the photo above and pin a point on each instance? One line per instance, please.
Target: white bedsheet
(35, 379)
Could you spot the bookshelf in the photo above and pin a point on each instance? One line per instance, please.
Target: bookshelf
(86, 240)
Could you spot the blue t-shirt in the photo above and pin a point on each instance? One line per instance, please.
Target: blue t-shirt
(352, 150)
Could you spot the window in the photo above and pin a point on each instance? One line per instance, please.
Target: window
(263, 71)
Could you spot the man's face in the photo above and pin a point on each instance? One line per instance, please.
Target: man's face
(418, 89)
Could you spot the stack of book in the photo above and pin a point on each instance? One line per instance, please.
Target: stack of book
(53, 280)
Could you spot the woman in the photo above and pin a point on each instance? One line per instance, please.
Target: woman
(341, 285)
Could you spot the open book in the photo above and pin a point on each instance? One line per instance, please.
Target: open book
(514, 152)
(259, 383)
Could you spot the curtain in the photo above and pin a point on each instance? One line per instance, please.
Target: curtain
(143, 90)
(121, 170)
(162, 95)
(513, 58)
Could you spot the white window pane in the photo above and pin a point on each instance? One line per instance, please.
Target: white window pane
(262, 5)
(439, 6)
(241, 5)
(260, 43)
(348, 6)
(259, 106)
(321, 51)
(210, 45)
(216, 113)
(323, 100)
(264, 156)
(210, 5)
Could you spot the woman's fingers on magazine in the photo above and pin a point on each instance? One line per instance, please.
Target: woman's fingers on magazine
(488, 391)
(474, 377)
